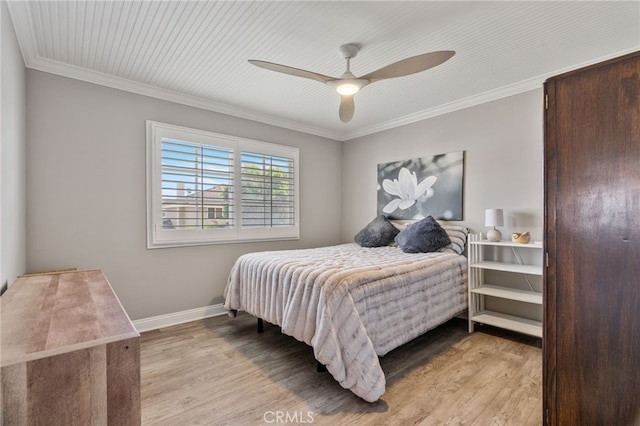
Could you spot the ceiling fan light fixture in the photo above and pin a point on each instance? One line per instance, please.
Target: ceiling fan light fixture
(348, 84)
(348, 87)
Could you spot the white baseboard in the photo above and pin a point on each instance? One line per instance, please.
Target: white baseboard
(153, 323)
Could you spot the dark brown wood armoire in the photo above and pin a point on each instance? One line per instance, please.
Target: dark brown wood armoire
(591, 343)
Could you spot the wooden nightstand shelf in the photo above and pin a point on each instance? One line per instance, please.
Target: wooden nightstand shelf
(479, 289)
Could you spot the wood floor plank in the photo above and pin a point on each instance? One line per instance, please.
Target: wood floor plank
(219, 371)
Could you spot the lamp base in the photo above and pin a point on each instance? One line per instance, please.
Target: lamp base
(494, 235)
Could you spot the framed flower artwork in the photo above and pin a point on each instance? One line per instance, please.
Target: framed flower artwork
(417, 188)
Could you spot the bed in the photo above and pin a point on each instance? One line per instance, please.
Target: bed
(353, 304)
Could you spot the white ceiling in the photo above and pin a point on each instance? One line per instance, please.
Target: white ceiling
(196, 52)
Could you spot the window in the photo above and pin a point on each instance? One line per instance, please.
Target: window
(207, 188)
(215, 213)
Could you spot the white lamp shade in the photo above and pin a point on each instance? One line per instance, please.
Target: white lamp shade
(493, 217)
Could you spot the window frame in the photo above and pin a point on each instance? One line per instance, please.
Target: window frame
(158, 237)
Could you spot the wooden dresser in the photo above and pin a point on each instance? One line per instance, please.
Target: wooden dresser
(70, 354)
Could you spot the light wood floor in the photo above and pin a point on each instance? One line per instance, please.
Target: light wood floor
(219, 371)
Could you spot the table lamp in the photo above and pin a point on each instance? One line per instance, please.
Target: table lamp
(493, 218)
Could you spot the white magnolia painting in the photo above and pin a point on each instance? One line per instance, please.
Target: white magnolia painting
(417, 188)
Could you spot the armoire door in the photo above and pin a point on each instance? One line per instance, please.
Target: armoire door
(591, 343)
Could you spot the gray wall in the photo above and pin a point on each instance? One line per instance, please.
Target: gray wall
(86, 183)
(86, 193)
(503, 143)
(12, 154)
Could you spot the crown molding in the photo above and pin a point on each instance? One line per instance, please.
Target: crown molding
(481, 98)
(102, 79)
(23, 26)
(90, 76)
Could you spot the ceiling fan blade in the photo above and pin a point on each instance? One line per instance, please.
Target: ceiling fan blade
(411, 65)
(291, 70)
(347, 108)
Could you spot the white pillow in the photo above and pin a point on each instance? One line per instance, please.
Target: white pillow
(458, 236)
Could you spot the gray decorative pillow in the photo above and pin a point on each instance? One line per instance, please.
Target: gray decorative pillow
(379, 232)
(423, 237)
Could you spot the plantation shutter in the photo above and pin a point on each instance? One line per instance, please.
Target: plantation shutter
(268, 196)
(197, 186)
(209, 188)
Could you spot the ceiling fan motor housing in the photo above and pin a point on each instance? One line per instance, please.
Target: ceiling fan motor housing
(349, 51)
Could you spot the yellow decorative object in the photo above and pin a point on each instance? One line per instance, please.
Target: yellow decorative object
(522, 238)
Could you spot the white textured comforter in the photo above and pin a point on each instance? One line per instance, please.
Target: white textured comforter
(351, 304)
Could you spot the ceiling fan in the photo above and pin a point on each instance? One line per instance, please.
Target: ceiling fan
(347, 85)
